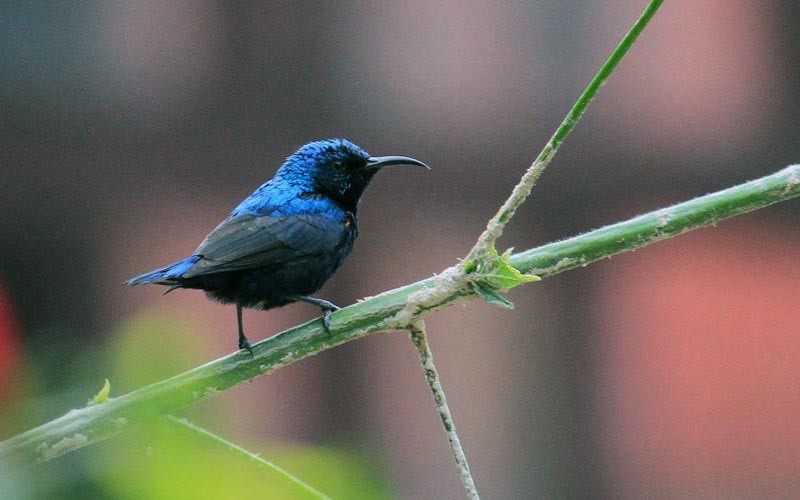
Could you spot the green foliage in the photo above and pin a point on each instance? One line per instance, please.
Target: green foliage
(148, 346)
(161, 461)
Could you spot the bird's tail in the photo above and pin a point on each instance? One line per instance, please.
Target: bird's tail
(168, 275)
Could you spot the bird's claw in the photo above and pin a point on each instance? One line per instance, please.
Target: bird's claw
(326, 321)
(245, 344)
(327, 309)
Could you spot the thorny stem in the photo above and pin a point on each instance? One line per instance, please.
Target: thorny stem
(420, 340)
(291, 481)
(395, 309)
(496, 225)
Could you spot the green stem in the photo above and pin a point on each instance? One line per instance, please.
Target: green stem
(420, 340)
(660, 224)
(495, 226)
(291, 481)
(395, 309)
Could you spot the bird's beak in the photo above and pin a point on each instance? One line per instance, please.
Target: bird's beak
(376, 162)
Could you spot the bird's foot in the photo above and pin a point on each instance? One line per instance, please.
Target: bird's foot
(245, 344)
(326, 320)
(327, 309)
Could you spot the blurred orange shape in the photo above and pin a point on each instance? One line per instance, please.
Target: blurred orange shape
(700, 365)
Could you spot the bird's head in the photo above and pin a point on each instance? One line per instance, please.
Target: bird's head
(338, 168)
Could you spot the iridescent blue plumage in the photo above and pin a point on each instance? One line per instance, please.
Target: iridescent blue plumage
(281, 243)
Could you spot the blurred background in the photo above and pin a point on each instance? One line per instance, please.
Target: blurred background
(131, 128)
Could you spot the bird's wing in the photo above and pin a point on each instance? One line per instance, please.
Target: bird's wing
(245, 241)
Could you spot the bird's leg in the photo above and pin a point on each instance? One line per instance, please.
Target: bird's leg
(327, 308)
(243, 342)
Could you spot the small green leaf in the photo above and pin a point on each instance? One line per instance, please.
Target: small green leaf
(494, 274)
(509, 276)
(493, 297)
(102, 396)
(499, 273)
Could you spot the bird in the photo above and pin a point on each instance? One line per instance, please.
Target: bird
(283, 242)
